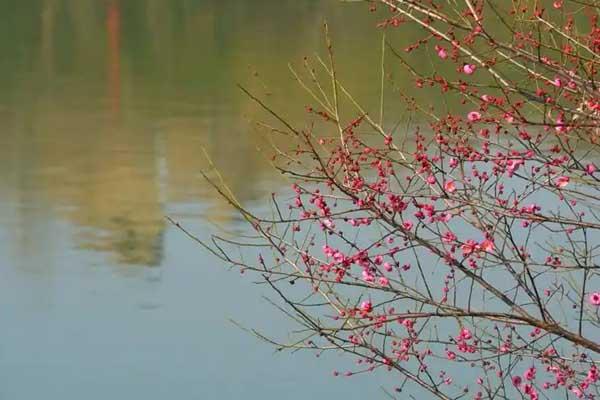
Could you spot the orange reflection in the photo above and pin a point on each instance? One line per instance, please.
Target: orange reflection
(113, 29)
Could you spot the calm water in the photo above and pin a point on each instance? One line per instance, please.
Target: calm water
(105, 107)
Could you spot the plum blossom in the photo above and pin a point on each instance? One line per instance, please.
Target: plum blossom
(562, 181)
(577, 392)
(463, 177)
(366, 306)
(468, 247)
(328, 223)
(556, 82)
(516, 380)
(441, 52)
(487, 245)
(468, 69)
(590, 169)
(383, 281)
(450, 186)
(530, 390)
(560, 125)
(448, 237)
(474, 116)
(508, 117)
(465, 333)
(529, 374)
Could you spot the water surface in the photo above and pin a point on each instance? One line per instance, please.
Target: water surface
(105, 109)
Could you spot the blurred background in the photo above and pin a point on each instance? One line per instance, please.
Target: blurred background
(105, 107)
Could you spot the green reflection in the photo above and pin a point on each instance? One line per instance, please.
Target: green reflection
(105, 106)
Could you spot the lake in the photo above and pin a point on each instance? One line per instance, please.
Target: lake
(105, 109)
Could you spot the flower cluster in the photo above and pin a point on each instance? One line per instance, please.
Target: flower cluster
(468, 241)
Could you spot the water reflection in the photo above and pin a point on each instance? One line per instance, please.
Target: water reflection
(105, 107)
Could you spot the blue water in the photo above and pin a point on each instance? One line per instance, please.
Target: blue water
(105, 108)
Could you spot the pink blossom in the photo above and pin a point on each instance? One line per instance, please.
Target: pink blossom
(465, 333)
(448, 237)
(529, 374)
(441, 52)
(572, 84)
(556, 82)
(383, 281)
(590, 169)
(469, 68)
(562, 181)
(367, 277)
(530, 390)
(592, 374)
(504, 349)
(593, 105)
(407, 225)
(450, 186)
(328, 251)
(577, 392)
(531, 209)
(516, 380)
(557, 4)
(366, 306)
(474, 116)
(453, 162)
(469, 247)
(487, 245)
(408, 323)
(595, 298)
(451, 355)
(338, 257)
(560, 125)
